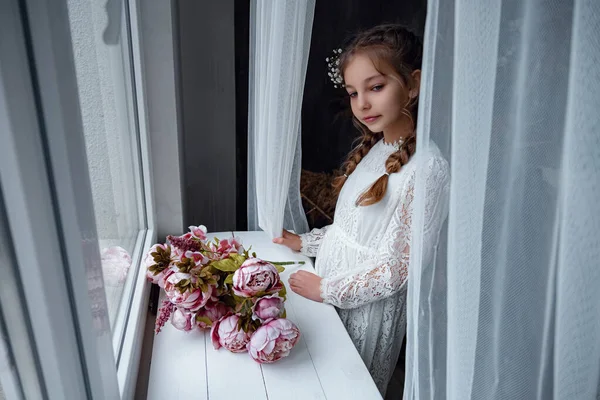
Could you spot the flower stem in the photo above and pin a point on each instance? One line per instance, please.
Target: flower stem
(285, 262)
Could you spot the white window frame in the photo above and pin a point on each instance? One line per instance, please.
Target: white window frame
(129, 326)
(76, 352)
(19, 375)
(31, 218)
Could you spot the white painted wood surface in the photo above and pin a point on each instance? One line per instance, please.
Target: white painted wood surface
(323, 365)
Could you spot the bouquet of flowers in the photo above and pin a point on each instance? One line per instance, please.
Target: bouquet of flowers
(218, 285)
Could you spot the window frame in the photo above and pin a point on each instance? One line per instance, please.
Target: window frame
(31, 218)
(47, 193)
(135, 320)
(129, 325)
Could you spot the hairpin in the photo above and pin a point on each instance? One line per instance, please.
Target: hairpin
(333, 63)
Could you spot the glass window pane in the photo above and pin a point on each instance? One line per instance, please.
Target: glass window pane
(104, 78)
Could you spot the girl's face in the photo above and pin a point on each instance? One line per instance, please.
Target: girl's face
(377, 100)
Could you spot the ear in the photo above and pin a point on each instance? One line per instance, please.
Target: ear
(414, 91)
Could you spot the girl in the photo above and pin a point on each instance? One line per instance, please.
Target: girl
(363, 258)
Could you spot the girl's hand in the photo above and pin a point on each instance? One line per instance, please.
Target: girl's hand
(306, 285)
(290, 240)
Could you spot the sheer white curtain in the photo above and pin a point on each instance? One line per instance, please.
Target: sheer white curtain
(510, 307)
(279, 46)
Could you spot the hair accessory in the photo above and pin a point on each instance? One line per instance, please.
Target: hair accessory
(387, 173)
(333, 63)
(345, 175)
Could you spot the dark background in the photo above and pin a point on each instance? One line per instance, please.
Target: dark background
(212, 45)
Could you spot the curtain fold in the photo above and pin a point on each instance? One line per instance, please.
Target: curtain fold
(279, 47)
(510, 308)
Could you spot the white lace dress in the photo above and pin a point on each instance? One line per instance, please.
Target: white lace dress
(364, 256)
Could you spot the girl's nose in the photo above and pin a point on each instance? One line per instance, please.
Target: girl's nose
(363, 102)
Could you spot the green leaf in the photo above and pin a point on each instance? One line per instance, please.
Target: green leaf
(228, 300)
(238, 299)
(210, 269)
(206, 320)
(283, 292)
(238, 258)
(284, 313)
(280, 269)
(229, 279)
(226, 265)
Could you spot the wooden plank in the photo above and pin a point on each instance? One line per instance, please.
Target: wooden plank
(293, 377)
(178, 367)
(233, 375)
(341, 371)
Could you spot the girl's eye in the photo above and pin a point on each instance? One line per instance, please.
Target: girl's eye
(353, 94)
(377, 88)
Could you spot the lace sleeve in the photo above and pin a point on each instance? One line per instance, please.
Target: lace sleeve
(389, 273)
(312, 240)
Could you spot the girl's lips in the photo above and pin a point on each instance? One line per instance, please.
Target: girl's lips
(370, 119)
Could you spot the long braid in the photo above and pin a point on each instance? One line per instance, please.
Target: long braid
(367, 141)
(392, 165)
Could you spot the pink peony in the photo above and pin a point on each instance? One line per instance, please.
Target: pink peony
(182, 320)
(190, 300)
(268, 307)
(167, 265)
(256, 276)
(211, 313)
(225, 333)
(199, 232)
(273, 341)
